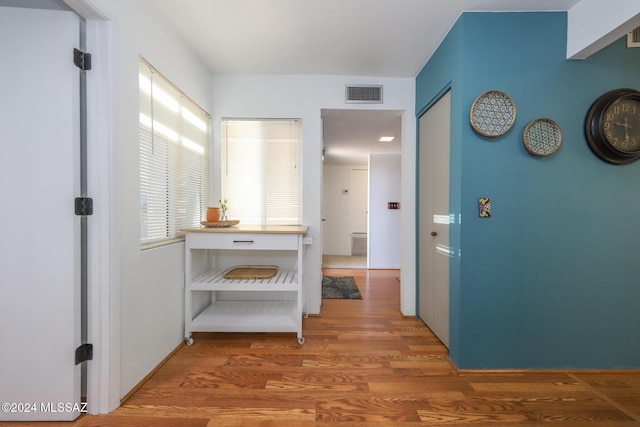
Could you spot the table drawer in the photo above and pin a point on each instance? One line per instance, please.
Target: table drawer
(242, 241)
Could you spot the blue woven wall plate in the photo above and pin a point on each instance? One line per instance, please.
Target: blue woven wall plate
(542, 137)
(493, 113)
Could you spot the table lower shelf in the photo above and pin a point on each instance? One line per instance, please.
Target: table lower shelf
(232, 316)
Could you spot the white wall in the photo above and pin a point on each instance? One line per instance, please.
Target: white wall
(384, 224)
(338, 212)
(150, 283)
(303, 96)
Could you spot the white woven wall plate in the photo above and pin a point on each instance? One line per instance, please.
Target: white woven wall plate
(542, 137)
(493, 113)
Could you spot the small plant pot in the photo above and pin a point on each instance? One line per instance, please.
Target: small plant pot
(213, 214)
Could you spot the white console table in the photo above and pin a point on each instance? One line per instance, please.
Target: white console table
(244, 305)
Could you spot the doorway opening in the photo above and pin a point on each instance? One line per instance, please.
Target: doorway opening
(361, 188)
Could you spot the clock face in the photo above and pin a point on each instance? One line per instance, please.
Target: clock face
(612, 126)
(621, 125)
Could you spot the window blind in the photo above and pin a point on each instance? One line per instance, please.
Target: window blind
(262, 170)
(174, 141)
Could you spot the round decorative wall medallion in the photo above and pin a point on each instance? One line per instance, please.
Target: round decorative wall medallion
(542, 137)
(493, 113)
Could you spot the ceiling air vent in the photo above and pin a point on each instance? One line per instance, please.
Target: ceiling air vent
(361, 94)
(633, 38)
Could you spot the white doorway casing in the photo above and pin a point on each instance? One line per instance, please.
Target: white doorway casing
(357, 219)
(433, 217)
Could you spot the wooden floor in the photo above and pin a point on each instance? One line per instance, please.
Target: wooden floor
(363, 364)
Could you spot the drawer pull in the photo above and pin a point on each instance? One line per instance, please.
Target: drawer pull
(243, 241)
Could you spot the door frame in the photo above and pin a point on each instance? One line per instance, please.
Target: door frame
(365, 108)
(103, 301)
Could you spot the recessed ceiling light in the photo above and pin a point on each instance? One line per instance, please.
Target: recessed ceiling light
(387, 138)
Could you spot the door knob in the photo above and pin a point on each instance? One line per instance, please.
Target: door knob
(434, 234)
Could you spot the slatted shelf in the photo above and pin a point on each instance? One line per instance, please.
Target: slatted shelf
(214, 280)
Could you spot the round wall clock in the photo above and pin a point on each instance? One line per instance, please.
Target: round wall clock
(612, 126)
(493, 113)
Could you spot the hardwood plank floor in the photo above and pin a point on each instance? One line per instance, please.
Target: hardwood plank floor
(362, 364)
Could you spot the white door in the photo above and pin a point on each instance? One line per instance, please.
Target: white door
(433, 217)
(40, 243)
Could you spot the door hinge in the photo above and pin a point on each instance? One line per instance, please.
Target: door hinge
(82, 59)
(84, 353)
(84, 206)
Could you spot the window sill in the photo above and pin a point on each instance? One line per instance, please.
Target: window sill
(154, 245)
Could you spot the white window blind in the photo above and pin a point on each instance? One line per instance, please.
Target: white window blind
(174, 159)
(262, 170)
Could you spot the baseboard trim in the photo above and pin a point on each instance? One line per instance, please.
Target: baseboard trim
(520, 371)
(150, 374)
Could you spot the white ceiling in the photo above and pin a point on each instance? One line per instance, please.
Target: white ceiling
(349, 135)
(380, 38)
(377, 38)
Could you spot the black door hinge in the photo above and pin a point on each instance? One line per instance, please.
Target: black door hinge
(84, 353)
(84, 206)
(82, 59)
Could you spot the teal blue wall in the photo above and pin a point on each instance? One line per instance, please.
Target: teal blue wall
(552, 279)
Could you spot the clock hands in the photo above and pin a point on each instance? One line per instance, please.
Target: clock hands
(626, 127)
